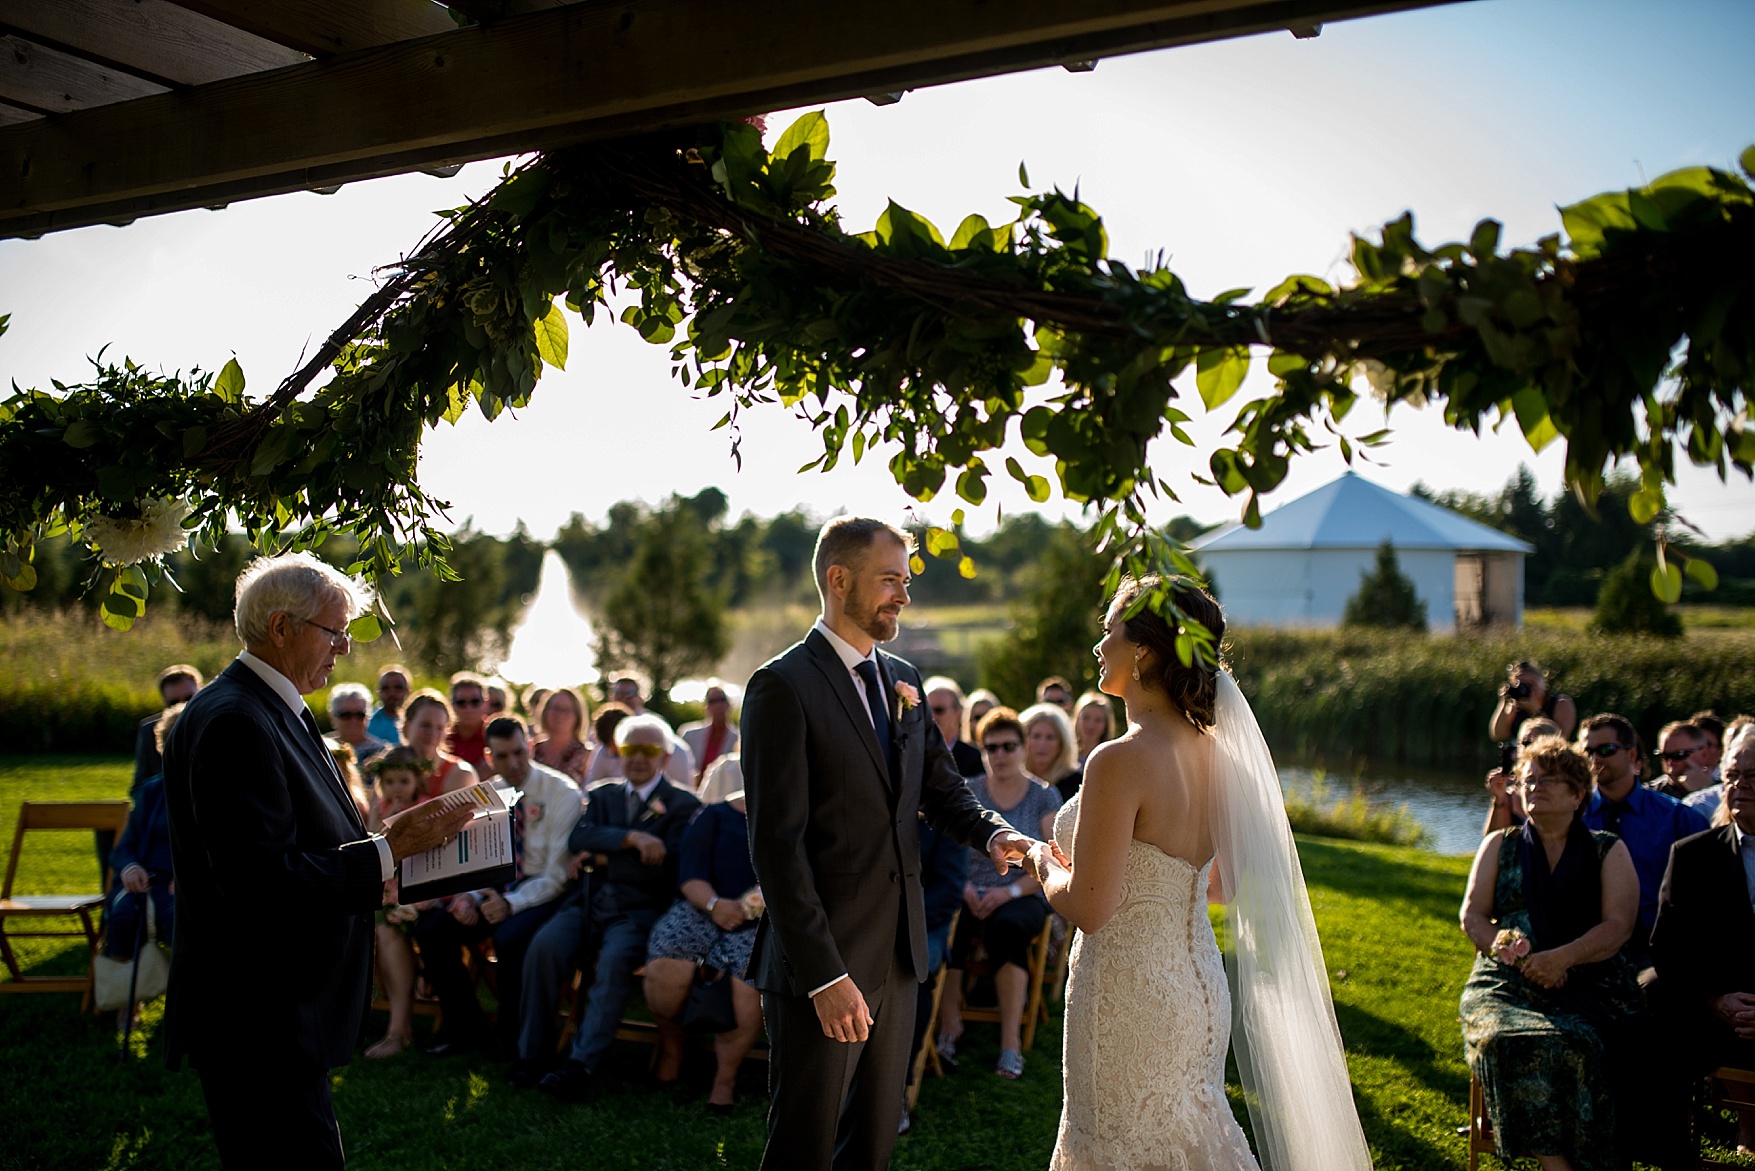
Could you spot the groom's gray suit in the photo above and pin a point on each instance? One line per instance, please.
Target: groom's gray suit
(835, 837)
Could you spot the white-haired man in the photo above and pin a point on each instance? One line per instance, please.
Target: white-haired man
(350, 706)
(276, 877)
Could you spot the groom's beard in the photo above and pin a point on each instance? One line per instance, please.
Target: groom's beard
(882, 625)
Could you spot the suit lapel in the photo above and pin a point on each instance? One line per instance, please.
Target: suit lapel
(301, 736)
(840, 681)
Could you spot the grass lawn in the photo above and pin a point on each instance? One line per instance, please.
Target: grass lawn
(1387, 917)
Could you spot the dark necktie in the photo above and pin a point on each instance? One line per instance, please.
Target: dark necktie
(310, 722)
(633, 804)
(874, 700)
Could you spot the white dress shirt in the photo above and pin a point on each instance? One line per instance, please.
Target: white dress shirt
(553, 798)
(289, 695)
(1746, 851)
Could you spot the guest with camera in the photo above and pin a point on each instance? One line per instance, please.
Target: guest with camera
(1525, 696)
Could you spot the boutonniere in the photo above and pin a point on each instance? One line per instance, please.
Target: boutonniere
(907, 695)
(655, 808)
(532, 811)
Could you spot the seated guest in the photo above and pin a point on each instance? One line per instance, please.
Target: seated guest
(349, 705)
(632, 828)
(1056, 691)
(713, 923)
(1506, 807)
(1649, 823)
(386, 719)
(1704, 941)
(680, 766)
(560, 722)
(465, 738)
(141, 862)
(1685, 775)
(1545, 1018)
(981, 701)
(545, 815)
(605, 761)
(944, 869)
(423, 729)
(1003, 911)
(536, 697)
(1713, 729)
(498, 697)
(945, 700)
(1093, 723)
(722, 780)
(1525, 696)
(1051, 752)
(713, 737)
(177, 684)
(347, 764)
(397, 778)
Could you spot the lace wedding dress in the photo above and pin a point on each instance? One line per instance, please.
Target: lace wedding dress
(1148, 1022)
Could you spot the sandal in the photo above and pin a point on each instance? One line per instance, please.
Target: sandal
(947, 1051)
(1011, 1064)
(390, 1046)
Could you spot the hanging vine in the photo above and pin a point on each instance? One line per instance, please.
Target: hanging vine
(1632, 337)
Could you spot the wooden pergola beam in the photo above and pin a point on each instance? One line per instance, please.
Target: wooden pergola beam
(561, 76)
(326, 27)
(154, 38)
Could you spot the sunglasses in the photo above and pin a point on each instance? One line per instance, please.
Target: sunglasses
(1680, 753)
(1608, 749)
(1002, 746)
(652, 751)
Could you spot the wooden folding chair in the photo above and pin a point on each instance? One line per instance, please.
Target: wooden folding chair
(1480, 1126)
(927, 1054)
(1035, 1008)
(111, 816)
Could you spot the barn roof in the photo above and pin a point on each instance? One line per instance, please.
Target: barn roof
(1354, 513)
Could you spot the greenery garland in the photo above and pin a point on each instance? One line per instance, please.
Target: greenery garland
(1633, 338)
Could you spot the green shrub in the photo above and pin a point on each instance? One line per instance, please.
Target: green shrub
(1386, 597)
(1355, 817)
(1626, 604)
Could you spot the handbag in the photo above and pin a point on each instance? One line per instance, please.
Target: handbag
(709, 1007)
(111, 977)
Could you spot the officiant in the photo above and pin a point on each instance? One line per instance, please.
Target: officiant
(276, 877)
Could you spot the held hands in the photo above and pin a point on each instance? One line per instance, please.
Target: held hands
(650, 849)
(1044, 858)
(465, 911)
(494, 907)
(1007, 847)
(1737, 1009)
(842, 1010)
(419, 830)
(135, 879)
(1547, 968)
(728, 915)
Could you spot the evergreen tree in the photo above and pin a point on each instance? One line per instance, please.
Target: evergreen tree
(1386, 597)
(1626, 604)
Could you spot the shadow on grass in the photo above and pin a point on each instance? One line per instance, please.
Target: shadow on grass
(1370, 873)
(1370, 1035)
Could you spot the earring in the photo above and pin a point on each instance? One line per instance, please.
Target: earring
(1136, 670)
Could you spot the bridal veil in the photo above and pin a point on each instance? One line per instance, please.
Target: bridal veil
(1283, 1031)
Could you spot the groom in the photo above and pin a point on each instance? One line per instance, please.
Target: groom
(839, 760)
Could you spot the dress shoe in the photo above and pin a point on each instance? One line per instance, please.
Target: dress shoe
(570, 1082)
(525, 1075)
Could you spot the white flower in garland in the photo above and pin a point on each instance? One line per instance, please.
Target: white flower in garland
(157, 532)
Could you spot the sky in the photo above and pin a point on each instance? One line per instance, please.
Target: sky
(1243, 161)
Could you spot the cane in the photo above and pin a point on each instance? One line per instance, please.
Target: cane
(134, 980)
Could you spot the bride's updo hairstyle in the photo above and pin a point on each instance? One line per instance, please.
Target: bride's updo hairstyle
(1193, 689)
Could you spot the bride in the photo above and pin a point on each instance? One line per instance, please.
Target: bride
(1149, 1009)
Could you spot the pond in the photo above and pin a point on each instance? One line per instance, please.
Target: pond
(1451, 805)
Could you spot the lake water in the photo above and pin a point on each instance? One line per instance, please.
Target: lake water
(1452, 806)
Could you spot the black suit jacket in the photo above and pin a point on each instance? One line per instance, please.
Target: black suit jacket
(626, 881)
(1703, 943)
(147, 761)
(968, 758)
(276, 884)
(833, 834)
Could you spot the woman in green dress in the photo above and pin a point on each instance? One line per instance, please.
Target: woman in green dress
(1548, 908)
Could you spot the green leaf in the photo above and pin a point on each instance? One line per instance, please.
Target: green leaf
(123, 606)
(365, 628)
(966, 567)
(1666, 583)
(809, 130)
(915, 564)
(81, 433)
(940, 542)
(1037, 488)
(1645, 504)
(230, 383)
(1700, 571)
(551, 337)
(115, 621)
(1024, 176)
(974, 232)
(972, 485)
(1219, 372)
(1746, 160)
(1532, 417)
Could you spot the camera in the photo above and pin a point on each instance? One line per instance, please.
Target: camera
(1518, 690)
(1507, 755)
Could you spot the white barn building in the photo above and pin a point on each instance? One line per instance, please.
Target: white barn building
(1304, 562)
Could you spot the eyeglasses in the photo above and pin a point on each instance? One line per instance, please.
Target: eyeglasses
(1608, 749)
(350, 715)
(652, 751)
(1538, 782)
(1002, 746)
(340, 636)
(1680, 753)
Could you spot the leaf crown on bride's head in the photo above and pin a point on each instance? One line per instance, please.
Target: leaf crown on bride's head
(1156, 614)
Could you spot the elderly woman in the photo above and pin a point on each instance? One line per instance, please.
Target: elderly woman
(1506, 805)
(350, 706)
(1051, 751)
(141, 862)
(1093, 723)
(559, 744)
(424, 723)
(1003, 911)
(1552, 996)
(713, 923)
